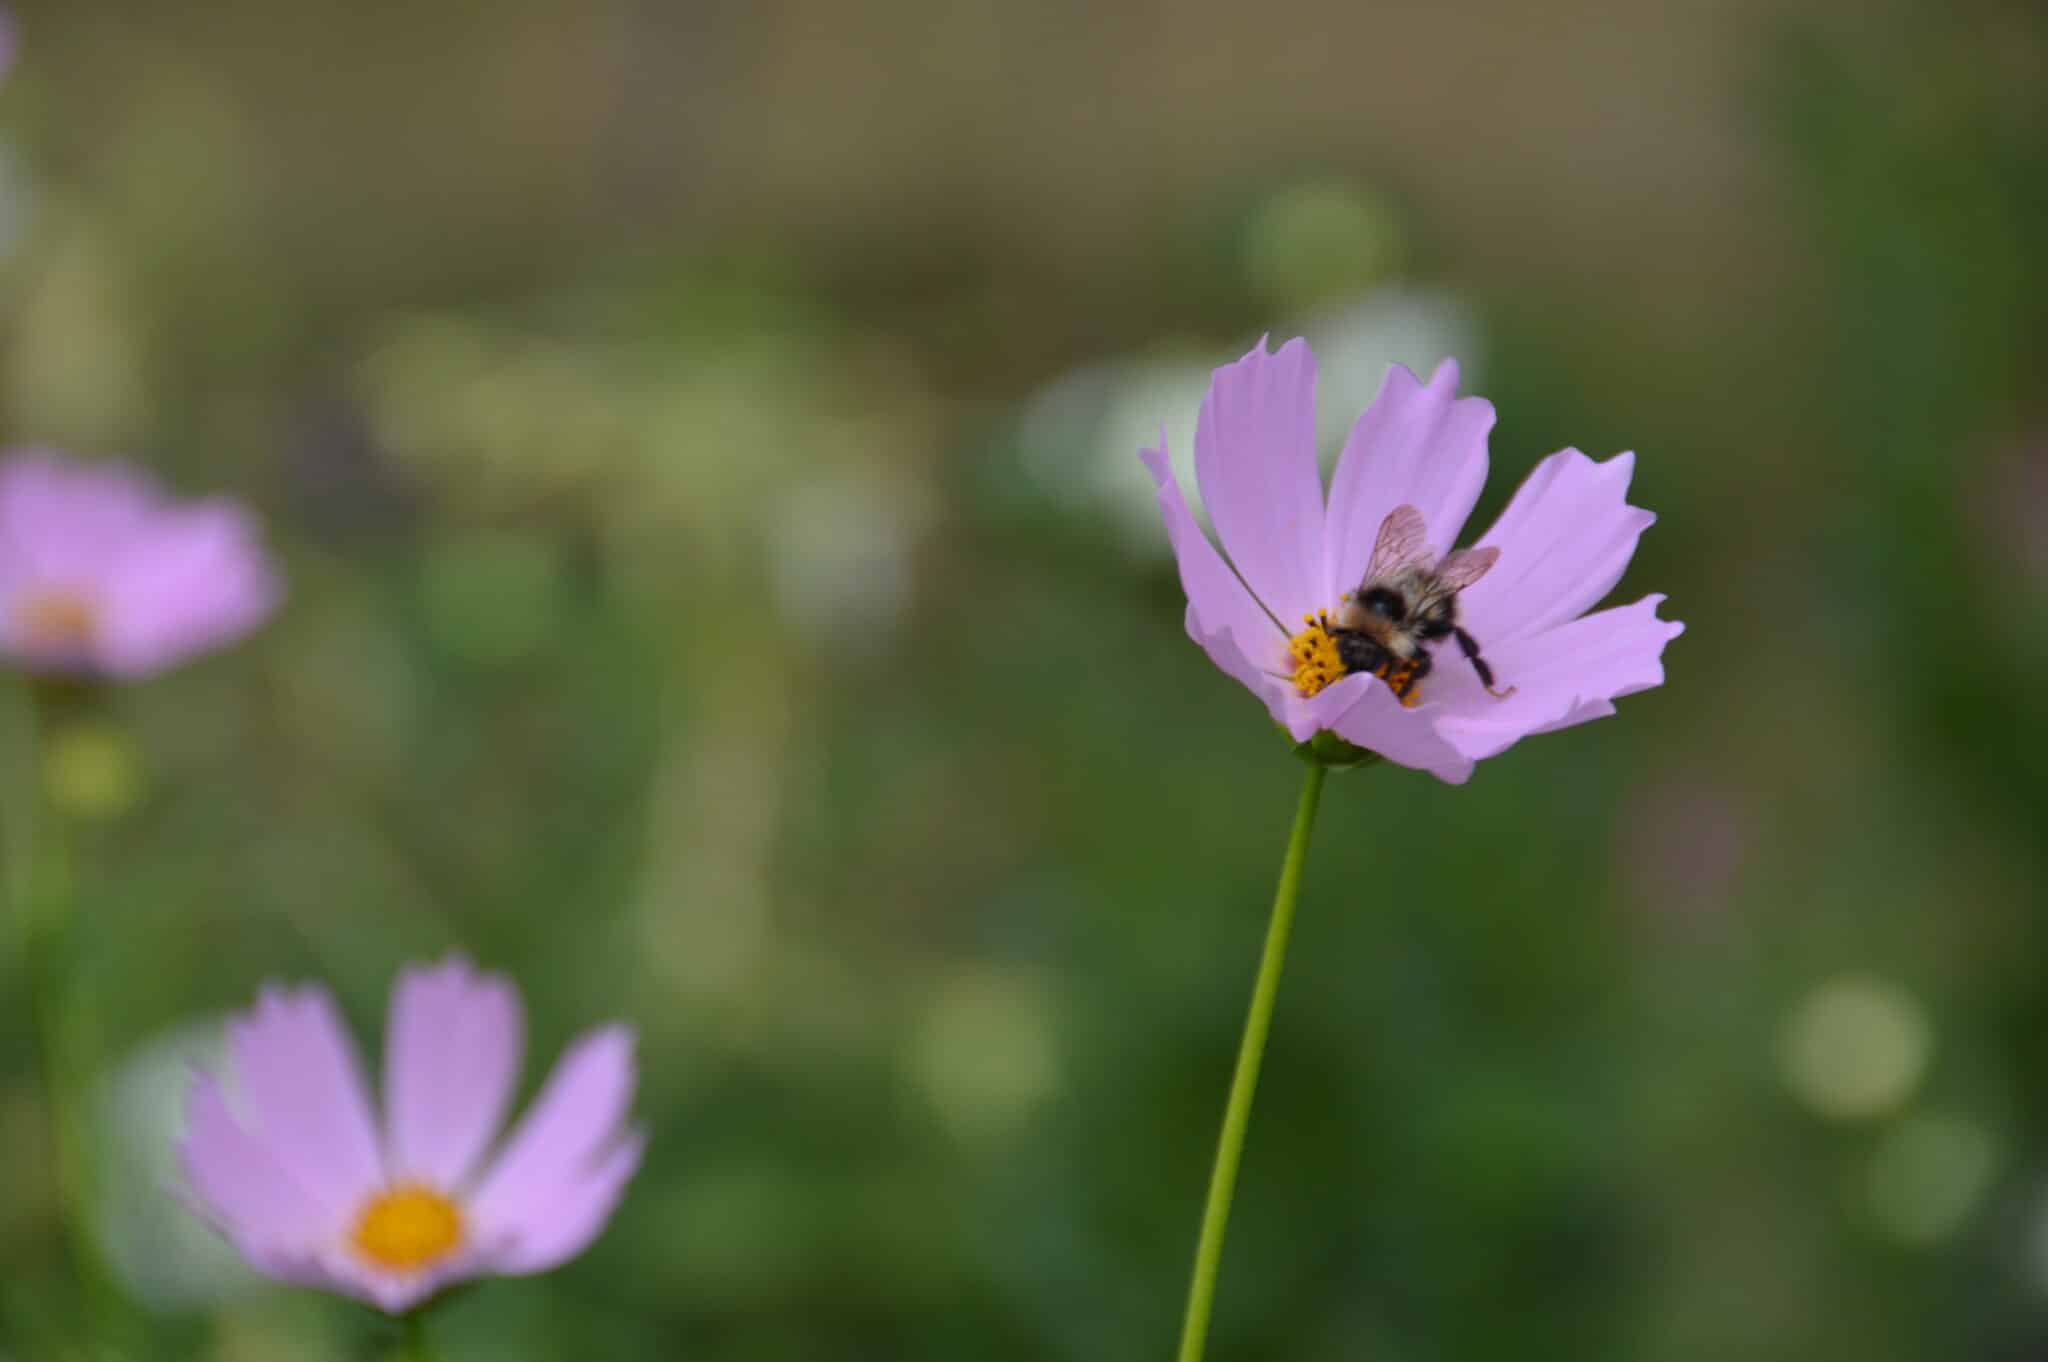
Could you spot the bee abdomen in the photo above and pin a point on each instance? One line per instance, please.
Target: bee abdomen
(1361, 654)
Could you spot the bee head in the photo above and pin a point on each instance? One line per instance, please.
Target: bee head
(1382, 612)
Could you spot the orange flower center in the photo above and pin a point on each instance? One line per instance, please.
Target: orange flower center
(57, 620)
(408, 1227)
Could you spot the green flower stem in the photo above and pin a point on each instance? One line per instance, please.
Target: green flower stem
(412, 1337)
(1237, 1114)
(41, 884)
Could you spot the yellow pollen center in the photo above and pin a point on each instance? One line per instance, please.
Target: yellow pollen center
(1314, 651)
(58, 620)
(408, 1227)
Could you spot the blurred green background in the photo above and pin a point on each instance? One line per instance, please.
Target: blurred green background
(700, 439)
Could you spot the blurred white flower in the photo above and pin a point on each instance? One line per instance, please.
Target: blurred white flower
(1079, 438)
(1354, 343)
(163, 1254)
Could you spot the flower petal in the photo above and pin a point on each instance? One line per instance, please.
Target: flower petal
(1564, 539)
(451, 1057)
(299, 1076)
(1418, 446)
(1406, 737)
(1563, 676)
(307, 1268)
(551, 1233)
(1304, 717)
(1255, 458)
(196, 579)
(1276, 691)
(1218, 605)
(563, 1140)
(59, 520)
(335, 1268)
(239, 1185)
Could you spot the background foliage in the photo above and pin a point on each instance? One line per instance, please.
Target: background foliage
(700, 440)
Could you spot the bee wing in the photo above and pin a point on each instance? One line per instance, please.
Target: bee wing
(1400, 543)
(1465, 567)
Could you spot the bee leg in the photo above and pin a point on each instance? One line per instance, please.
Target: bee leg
(1470, 647)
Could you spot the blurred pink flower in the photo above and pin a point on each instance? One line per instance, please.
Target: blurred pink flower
(289, 1163)
(101, 575)
(1563, 542)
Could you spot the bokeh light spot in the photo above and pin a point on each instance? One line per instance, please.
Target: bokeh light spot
(92, 770)
(1928, 1174)
(986, 1053)
(1320, 240)
(1855, 1047)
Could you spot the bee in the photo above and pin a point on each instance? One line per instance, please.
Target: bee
(1406, 601)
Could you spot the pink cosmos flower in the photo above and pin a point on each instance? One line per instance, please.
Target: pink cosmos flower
(1264, 616)
(101, 575)
(293, 1166)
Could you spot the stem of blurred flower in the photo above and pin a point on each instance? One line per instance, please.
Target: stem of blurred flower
(41, 886)
(412, 1337)
(1237, 1114)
